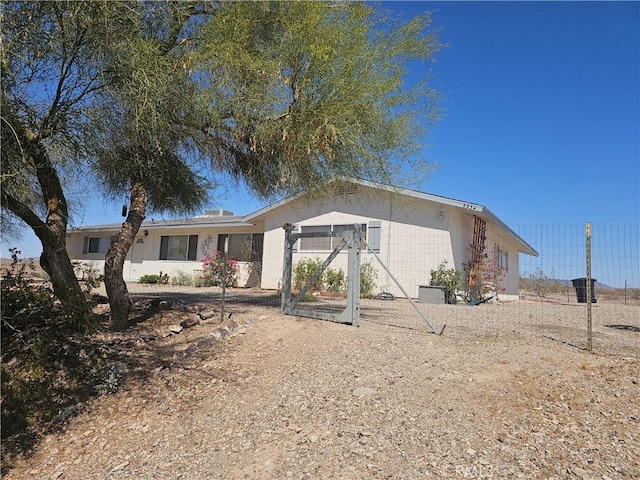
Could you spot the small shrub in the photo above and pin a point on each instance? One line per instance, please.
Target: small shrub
(18, 296)
(334, 280)
(448, 278)
(539, 283)
(89, 275)
(150, 278)
(182, 279)
(161, 279)
(367, 280)
(218, 271)
(303, 271)
(482, 270)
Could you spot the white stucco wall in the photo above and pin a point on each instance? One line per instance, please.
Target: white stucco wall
(414, 239)
(143, 257)
(416, 235)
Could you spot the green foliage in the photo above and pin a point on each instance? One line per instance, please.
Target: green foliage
(368, 278)
(303, 272)
(332, 280)
(182, 278)
(154, 278)
(539, 283)
(218, 271)
(448, 278)
(312, 90)
(20, 298)
(90, 276)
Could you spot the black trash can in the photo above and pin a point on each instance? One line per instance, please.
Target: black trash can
(580, 284)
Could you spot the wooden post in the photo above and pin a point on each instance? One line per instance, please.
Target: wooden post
(589, 293)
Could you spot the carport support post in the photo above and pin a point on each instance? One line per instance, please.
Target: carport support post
(287, 267)
(589, 293)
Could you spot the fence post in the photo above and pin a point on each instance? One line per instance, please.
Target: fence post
(589, 293)
(225, 253)
(287, 266)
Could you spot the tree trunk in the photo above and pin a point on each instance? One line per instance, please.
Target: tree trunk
(52, 232)
(119, 298)
(55, 261)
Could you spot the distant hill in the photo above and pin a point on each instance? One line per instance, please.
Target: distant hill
(36, 272)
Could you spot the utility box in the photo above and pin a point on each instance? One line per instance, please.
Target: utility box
(431, 294)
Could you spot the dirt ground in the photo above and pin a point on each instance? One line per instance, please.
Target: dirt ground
(507, 391)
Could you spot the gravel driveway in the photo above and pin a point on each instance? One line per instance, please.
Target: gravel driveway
(506, 392)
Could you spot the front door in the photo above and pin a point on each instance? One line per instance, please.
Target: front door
(137, 255)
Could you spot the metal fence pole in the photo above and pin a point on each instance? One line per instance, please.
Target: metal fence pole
(225, 254)
(287, 267)
(589, 293)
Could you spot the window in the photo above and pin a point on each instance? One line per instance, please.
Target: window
(318, 243)
(335, 241)
(244, 247)
(327, 243)
(178, 247)
(96, 244)
(502, 257)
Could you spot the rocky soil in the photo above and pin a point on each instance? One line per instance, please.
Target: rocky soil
(271, 396)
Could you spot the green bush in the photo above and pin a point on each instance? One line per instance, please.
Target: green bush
(182, 279)
(367, 280)
(18, 296)
(90, 276)
(153, 278)
(448, 278)
(539, 283)
(303, 271)
(332, 280)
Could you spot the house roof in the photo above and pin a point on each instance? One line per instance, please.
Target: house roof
(202, 220)
(474, 208)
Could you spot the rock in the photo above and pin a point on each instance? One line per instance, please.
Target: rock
(206, 314)
(148, 336)
(363, 391)
(181, 306)
(190, 321)
(230, 324)
(220, 333)
(206, 342)
(175, 328)
(118, 467)
(191, 349)
(66, 413)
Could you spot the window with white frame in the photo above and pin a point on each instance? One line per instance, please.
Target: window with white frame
(244, 247)
(326, 243)
(502, 259)
(96, 244)
(178, 247)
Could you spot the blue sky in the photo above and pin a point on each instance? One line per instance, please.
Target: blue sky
(542, 122)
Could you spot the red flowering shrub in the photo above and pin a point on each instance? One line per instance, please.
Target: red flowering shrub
(218, 271)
